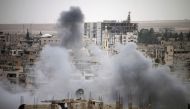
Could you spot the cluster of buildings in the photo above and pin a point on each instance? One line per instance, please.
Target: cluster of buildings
(177, 57)
(81, 103)
(174, 54)
(73, 104)
(19, 51)
(109, 33)
(18, 54)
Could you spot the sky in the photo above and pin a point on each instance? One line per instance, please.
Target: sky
(48, 11)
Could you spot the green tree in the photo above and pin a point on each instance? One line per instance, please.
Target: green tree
(188, 36)
(181, 36)
(147, 36)
(157, 60)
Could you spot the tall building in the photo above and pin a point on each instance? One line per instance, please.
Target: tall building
(95, 29)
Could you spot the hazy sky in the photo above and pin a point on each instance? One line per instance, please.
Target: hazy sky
(48, 11)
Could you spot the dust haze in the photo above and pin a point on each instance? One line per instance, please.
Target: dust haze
(129, 73)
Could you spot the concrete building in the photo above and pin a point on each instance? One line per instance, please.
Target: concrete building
(169, 55)
(17, 52)
(177, 57)
(153, 51)
(96, 29)
(111, 40)
(73, 104)
(47, 39)
(93, 30)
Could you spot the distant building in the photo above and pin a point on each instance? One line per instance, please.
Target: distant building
(17, 51)
(169, 54)
(48, 39)
(93, 30)
(120, 27)
(74, 104)
(177, 57)
(96, 29)
(109, 33)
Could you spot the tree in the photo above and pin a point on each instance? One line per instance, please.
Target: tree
(188, 36)
(151, 31)
(147, 36)
(157, 60)
(176, 36)
(143, 34)
(181, 36)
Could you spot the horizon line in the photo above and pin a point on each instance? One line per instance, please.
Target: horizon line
(96, 21)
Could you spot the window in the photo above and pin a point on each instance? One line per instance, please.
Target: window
(31, 60)
(11, 75)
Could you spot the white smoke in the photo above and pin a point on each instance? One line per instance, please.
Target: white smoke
(126, 73)
(137, 77)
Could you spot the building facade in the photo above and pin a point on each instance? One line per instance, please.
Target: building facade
(96, 29)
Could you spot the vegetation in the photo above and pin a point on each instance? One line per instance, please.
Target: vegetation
(149, 36)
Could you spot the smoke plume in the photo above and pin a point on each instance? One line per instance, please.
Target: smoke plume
(129, 73)
(69, 28)
(145, 85)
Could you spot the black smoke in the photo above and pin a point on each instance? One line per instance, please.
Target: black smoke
(70, 26)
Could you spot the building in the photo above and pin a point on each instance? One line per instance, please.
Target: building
(110, 33)
(93, 30)
(48, 39)
(177, 57)
(96, 29)
(17, 52)
(169, 54)
(73, 104)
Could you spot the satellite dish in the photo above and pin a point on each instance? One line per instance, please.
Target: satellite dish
(79, 93)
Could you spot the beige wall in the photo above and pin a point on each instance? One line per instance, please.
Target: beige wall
(50, 40)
